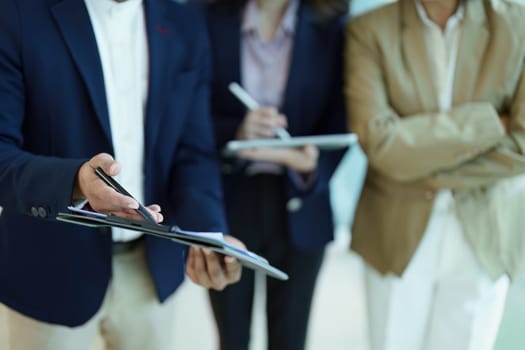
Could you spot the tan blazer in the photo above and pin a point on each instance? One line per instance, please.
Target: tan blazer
(414, 150)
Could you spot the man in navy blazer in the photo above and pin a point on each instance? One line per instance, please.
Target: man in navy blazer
(55, 128)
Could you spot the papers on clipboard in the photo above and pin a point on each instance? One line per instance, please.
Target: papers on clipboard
(324, 142)
(210, 240)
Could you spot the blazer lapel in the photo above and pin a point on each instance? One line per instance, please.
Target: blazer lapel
(226, 37)
(73, 21)
(473, 44)
(166, 51)
(416, 56)
(230, 27)
(299, 66)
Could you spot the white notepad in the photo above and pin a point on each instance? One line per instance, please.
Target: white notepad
(324, 142)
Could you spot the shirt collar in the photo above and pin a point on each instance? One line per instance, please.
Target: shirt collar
(251, 17)
(452, 21)
(110, 6)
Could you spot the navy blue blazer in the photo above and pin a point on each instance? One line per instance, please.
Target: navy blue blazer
(54, 116)
(313, 104)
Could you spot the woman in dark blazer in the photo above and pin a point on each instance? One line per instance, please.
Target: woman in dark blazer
(288, 55)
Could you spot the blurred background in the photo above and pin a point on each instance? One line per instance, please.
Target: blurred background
(338, 320)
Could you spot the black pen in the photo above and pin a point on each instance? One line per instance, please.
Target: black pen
(111, 182)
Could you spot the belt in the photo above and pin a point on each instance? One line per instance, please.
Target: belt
(122, 247)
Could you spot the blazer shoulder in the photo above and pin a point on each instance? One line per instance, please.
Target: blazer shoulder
(376, 26)
(379, 20)
(385, 13)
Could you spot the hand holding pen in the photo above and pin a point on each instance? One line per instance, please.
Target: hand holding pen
(94, 182)
(265, 123)
(259, 122)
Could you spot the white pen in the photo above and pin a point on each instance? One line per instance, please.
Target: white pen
(250, 103)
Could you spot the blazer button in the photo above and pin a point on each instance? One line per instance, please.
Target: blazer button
(294, 204)
(34, 211)
(42, 212)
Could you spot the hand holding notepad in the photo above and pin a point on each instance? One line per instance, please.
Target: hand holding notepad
(267, 120)
(332, 141)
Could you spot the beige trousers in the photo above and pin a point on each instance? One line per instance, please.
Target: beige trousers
(131, 317)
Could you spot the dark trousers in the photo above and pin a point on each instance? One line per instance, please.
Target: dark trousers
(260, 221)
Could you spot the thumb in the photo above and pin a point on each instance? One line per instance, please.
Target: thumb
(106, 162)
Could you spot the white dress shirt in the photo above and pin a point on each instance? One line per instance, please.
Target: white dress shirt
(120, 32)
(442, 48)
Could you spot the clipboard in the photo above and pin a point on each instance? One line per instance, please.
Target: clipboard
(324, 142)
(209, 240)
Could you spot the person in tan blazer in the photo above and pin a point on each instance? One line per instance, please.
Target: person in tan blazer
(436, 92)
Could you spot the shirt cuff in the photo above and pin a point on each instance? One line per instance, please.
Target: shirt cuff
(80, 203)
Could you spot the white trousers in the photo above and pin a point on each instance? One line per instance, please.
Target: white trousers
(131, 317)
(444, 301)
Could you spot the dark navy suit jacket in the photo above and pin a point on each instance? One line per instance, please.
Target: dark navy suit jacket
(313, 104)
(54, 116)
